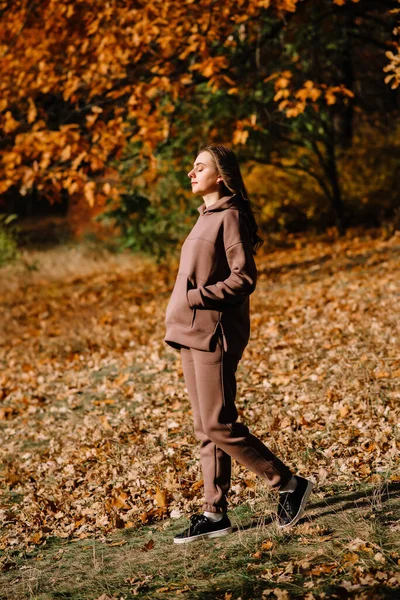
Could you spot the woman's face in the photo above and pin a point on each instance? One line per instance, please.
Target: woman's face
(204, 176)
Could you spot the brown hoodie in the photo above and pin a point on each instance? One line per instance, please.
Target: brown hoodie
(216, 276)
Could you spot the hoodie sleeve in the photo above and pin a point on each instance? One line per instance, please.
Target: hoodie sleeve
(243, 276)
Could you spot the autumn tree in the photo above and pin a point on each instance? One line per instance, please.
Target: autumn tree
(295, 86)
(82, 82)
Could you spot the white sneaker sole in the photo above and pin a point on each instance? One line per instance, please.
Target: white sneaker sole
(212, 534)
(300, 512)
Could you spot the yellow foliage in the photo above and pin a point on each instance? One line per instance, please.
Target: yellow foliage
(10, 123)
(32, 113)
(393, 68)
(99, 72)
(89, 190)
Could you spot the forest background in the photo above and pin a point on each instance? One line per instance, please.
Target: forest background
(102, 108)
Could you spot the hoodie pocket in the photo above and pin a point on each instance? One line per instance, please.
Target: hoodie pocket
(178, 309)
(206, 320)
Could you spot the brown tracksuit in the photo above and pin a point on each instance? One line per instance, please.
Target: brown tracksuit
(208, 320)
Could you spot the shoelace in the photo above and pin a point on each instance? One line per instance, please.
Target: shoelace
(194, 519)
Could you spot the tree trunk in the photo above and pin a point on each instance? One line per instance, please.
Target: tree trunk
(343, 118)
(336, 197)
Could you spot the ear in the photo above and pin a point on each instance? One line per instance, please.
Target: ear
(219, 179)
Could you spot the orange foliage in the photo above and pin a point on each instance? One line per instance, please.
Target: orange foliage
(81, 79)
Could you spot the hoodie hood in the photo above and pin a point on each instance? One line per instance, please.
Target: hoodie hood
(221, 204)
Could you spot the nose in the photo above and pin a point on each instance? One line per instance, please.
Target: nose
(191, 174)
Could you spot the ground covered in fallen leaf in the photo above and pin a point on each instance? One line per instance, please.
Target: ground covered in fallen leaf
(97, 447)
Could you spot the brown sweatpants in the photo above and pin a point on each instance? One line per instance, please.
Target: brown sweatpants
(211, 384)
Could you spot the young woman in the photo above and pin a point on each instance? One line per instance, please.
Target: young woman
(207, 319)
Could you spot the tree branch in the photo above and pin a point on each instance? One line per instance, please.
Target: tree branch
(319, 179)
(382, 45)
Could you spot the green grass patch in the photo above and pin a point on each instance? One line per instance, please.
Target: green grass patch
(345, 545)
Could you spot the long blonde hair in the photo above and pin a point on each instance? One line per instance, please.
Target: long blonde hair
(227, 165)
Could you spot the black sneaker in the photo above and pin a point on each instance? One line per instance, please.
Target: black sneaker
(201, 527)
(291, 504)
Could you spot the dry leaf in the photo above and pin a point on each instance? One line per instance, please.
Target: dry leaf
(267, 545)
(281, 594)
(161, 498)
(118, 543)
(148, 546)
